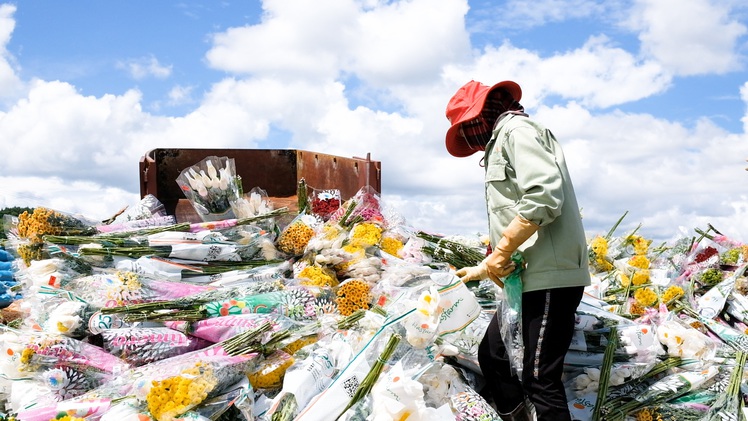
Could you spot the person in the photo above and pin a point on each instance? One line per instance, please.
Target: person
(532, 209)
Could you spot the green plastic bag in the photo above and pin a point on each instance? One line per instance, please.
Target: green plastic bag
(513, 283)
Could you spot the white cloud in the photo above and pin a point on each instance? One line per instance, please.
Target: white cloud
(420, 36)
(86, 199)
(744, 97)
(179, 95)
(144, 67)
(689, 37)
(289, 44)
(597, 74)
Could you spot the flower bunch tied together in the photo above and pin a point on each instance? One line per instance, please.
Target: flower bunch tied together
(43, 221)
(211, 186)
(173, 396)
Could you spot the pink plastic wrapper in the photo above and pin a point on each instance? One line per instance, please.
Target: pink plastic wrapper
(142, 345)
(217, 329)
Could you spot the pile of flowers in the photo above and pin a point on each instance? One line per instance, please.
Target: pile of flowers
(344, 312)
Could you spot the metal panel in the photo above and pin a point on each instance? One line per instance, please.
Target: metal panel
(277, 171)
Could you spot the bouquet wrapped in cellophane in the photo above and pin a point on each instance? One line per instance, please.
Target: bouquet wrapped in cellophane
(212, 187)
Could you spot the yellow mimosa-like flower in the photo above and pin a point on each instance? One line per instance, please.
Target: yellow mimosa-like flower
(271, 371)
(173, 396)
(640, 277)
(391, 245)
(599, 246)
(317, 276)
(366, 234)
(639, 261)
(672, 293)
(645, 296)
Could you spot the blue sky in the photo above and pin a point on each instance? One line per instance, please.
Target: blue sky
(647, 97)
(90, 44)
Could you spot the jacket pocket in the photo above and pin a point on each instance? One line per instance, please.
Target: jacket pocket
(501, 191)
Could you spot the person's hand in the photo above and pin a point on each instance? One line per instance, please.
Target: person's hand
(480, 272)
(499, 265)
(473, 273)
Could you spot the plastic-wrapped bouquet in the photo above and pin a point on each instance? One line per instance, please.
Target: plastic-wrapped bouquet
(211, 186)
(43, 221)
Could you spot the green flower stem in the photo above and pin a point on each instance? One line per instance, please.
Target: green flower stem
(371, 377)
(245, 342)
(604, 382)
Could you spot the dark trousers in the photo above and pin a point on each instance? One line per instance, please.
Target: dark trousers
(547, 329)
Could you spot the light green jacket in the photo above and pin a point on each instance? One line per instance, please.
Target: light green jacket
(526, 174)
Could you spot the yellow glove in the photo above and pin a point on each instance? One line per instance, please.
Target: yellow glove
(480, 272)
(473, 273)
(499, 263)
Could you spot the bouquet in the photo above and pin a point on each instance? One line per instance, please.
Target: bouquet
(668, 388)
(149, 207)
(363, 206)
(43, 221)
(212, 187)
(142, 345)
(218, 329)
(324, 203)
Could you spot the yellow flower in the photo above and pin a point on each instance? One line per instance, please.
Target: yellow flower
(639, 261)
(271, 371)
(644, 415)
(366, 234)
(353, 295)
(603, 265)
(625, 280)
(640, 244)
(641, 277)
(636, 309)
(30, 252)
(599, 246)
(130, 280)
(317, 276)
(295, 237)
(672, 293)
(645, 296)
(173, 396)
(391, 245)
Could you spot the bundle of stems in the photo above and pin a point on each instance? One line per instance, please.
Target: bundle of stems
(451, 252)
(350, 320)
(189, 315)
(348, 223)
(104, 240)
(371, 377)
(302, 196)
(728, 404)
(133, 252)
(246, 342)
(272, 214)
(625, 391)
(670, 387)
(212, 268)
(604, 382)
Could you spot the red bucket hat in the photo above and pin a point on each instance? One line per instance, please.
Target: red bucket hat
(466, 105)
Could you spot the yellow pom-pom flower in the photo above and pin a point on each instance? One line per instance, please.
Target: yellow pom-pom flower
(645, 296)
